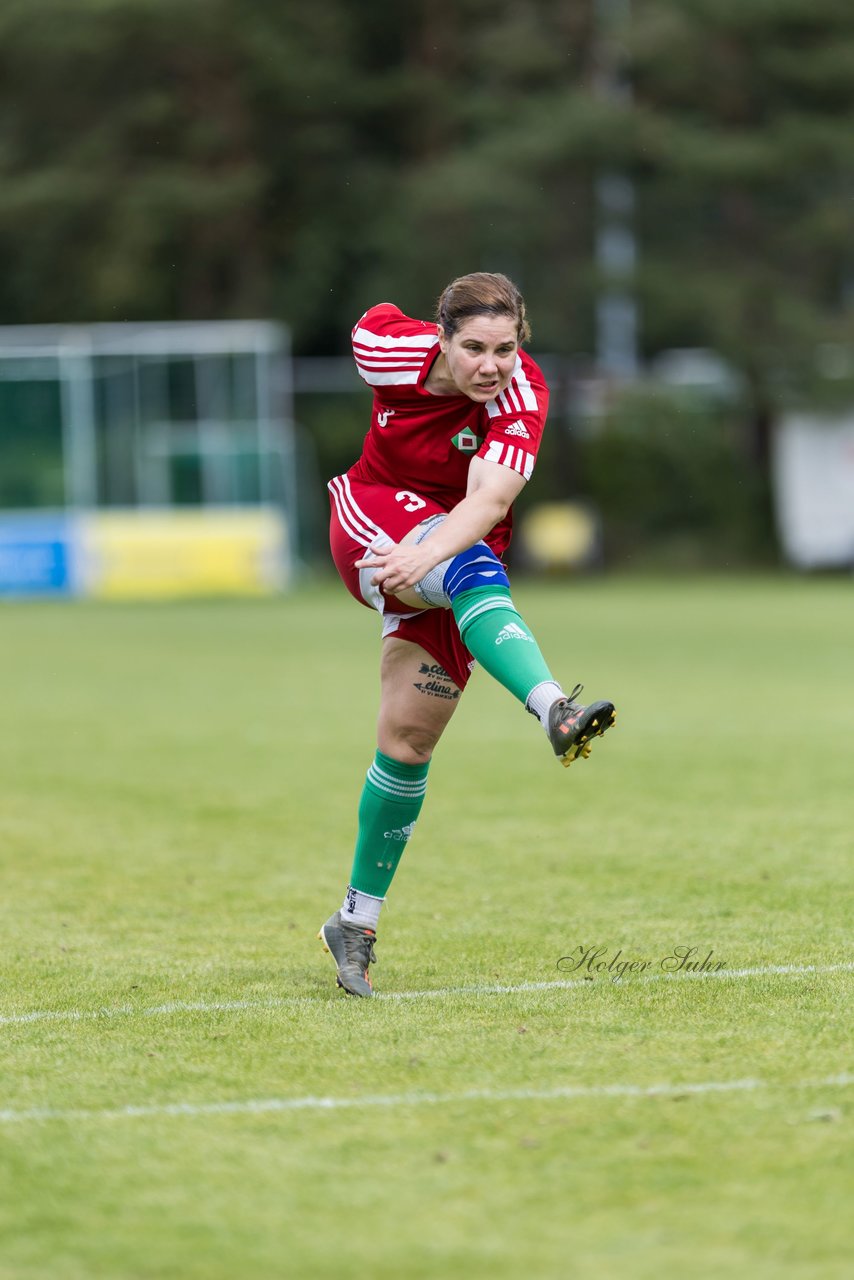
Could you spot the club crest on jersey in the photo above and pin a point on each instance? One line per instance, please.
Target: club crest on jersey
(466, 441)
(383, 416)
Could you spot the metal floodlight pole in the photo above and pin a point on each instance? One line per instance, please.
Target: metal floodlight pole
(616, 247)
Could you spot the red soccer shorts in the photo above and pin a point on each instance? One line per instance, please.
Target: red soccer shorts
(363, 514)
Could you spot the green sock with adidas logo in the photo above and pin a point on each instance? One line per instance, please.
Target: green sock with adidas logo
(492, 629)
(390, 803)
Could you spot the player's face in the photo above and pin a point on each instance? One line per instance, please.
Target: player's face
(480, 356)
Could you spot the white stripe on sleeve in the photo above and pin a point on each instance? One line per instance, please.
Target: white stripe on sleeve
(511, 455)
(404, 378)
(523, 388)
(518, 396)
(384, 342)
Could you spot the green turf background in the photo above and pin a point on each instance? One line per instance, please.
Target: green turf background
(179, 785)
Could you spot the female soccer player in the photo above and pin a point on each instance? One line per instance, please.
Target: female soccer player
(418, 528)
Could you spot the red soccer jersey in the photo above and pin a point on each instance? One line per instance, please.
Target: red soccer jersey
(424, 442)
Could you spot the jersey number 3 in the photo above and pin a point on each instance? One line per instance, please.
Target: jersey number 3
(411, 501)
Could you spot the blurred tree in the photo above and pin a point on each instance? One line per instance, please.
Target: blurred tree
(495, 138)
(192, 158)
(742, 141)
(195, 158)
(159, 158)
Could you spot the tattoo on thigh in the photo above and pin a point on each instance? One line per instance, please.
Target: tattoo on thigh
(438, 684)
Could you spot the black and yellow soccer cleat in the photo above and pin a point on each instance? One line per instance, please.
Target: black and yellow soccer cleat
(573, 727)
(352, 948)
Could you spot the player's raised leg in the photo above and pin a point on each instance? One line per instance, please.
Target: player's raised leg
(414, 710)
(475, 586)
(498, 636)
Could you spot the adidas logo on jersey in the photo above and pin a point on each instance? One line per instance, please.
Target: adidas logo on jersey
(512, 632)
(518, 428)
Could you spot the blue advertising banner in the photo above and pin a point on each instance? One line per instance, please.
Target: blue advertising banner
(35, 556)
(143, 554)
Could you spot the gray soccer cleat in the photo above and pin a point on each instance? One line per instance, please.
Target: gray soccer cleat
(352, 948)
(571, 726)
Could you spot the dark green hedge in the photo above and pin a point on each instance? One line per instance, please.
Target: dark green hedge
(672, 480)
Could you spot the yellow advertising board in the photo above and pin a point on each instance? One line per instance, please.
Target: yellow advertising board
(157, 554)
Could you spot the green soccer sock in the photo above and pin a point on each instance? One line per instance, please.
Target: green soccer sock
(391, 802)
(492, 629)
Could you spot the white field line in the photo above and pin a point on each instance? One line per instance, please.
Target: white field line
(438, 993)
(566, 1093)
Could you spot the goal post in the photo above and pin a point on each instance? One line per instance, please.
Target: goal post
(148, 419)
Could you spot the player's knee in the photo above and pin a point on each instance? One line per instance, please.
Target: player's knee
(477, 566)
(408, 744)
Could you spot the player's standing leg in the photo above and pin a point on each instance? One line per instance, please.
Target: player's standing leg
(413, 715)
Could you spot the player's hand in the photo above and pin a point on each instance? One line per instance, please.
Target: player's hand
(396, 567)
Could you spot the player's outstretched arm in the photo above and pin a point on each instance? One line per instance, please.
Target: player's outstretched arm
(492, 489)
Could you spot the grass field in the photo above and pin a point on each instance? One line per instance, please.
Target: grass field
(185, 1094)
